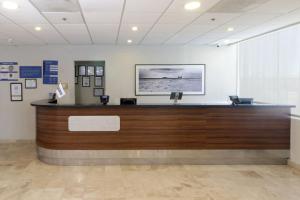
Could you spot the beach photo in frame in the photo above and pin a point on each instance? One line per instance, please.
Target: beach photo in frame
(156, 79)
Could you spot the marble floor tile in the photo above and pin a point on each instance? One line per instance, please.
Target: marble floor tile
(24, 177)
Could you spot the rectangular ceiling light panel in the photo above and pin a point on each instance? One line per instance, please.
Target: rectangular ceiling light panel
(57, 5)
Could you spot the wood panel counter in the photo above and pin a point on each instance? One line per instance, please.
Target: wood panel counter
(167, 127)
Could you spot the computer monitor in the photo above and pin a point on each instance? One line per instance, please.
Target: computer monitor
(236, 100)
(104, 99)
(176, 96)
(127, 101)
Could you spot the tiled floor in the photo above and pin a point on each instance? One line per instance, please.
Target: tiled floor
(22, 176)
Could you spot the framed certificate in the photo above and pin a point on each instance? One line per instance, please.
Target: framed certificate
(30, 83)
(16, 93)
(98, 81)
(90, 71)
(76, 71)
(98, 92)
(85, 81)
(99, 71)
(82, 70)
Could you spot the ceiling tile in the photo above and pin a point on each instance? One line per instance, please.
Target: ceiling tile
(146, 5)
(142, 29)
(252, 19)
(178, 18)
(126, 33)
(104, 33)
(101, 5)
(154, 40)
(189, 33)
(57, 5)
(178, 6)
(215, 18)
(280, 22)
(278, 6)
(4, 20)
(26, 13)
(236, 6)
(203, 41)
(102, 17)
(166, 28)
(57, 17)
(19, 34)
(74, 33)
(48, 34)
(140, 18)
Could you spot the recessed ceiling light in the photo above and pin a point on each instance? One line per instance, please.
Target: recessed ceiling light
(134, 28)
(229, 29)
(38, 28)
(10, 5)
(192, 5)
(129, 41)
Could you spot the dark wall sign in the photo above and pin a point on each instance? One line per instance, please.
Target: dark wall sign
(50, 72)
(30, 72)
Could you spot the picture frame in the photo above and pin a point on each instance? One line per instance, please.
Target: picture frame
(85, 81)
(99, 71)
(98, 92)
(90, 70)
(16, 92)
(82, 70)
(76, 70)
(98, 81)
(162, 79)
(30, 83)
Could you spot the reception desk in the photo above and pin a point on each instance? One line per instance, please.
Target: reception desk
(188, 134)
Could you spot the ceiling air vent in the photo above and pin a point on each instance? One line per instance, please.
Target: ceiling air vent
(56, 5)
(236, 6)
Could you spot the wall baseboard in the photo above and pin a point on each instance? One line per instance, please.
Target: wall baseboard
(137, 157)
(17, 141)
(294, 164)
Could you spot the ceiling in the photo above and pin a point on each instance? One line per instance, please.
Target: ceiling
(159, 22)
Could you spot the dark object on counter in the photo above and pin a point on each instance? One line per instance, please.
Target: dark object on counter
(236, 100)
(53, 99)
(176, 96)
(104, 99)
(128, 101)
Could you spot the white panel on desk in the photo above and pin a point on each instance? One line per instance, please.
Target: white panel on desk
(94, 123)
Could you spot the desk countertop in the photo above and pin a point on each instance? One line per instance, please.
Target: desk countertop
(44, 103)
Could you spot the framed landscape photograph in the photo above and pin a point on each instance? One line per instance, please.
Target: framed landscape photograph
(166, 78)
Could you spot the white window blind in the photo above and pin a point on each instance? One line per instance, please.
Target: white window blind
(269, 68)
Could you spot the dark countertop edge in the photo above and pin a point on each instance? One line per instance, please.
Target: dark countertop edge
(44, 103)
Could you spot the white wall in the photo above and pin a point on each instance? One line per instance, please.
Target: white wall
(17, 118)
